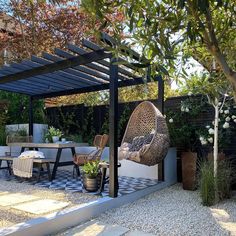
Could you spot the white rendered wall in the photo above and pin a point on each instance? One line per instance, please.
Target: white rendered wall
(38, 130)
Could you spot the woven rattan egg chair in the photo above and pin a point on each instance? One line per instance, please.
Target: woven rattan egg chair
(80, 159)
(146, 139)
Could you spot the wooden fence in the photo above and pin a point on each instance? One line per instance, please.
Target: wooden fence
(88, 121)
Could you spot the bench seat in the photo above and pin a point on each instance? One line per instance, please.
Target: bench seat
(37, 161)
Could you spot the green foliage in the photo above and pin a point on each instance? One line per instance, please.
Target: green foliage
(225, 178)
(17, 108)
(3, 136)
(68, 122)
(105, 125)
(91, 169)
(21, 132)
(207, 182)
(226, 128)
(88, 130)
(75, 138)
(184, 132)
(123, 121)
(212, 85)
(168, 30)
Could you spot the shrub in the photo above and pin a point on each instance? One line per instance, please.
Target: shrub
(3, 136)
(224, 179)
(207, 182)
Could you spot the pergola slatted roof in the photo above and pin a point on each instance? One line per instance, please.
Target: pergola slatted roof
(80, 70)
(74, 70)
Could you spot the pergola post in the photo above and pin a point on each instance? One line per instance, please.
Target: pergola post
(160, 101)
(113, 133)
(31, 118)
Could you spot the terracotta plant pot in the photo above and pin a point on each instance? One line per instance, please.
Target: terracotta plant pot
(221, 156)
(189, 169)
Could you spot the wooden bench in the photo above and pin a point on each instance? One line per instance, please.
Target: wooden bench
(38, 163)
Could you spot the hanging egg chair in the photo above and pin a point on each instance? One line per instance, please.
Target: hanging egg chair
(146, 139)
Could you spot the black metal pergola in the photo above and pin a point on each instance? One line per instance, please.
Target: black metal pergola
(79, 70)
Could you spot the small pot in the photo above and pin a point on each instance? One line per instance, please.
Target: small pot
(91, 184)
(55, 139)
(189, 170)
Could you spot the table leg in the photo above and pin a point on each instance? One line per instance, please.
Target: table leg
(54, 171)
(48, 170)
(39, 171)
(73, 151)
(9, 167)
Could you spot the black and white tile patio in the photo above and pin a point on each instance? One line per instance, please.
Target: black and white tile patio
(65, 181)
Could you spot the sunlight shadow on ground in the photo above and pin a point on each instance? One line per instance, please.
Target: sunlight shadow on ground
(222, 217)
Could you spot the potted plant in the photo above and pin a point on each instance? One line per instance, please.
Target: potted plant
(91, 176)
(184, 135)
(53, 135)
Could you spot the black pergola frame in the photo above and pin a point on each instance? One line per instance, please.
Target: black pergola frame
(88, 67)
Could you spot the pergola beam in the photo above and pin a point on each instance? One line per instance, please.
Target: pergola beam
(84, 74)
(130, 82)
(94, 46)
(60, 65)
(88, 44)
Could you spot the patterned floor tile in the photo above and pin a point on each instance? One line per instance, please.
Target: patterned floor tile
(64, 181)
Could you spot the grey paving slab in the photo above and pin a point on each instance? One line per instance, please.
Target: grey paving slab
(95, 228)
(15, 198)
(138, 233)
(41, 206)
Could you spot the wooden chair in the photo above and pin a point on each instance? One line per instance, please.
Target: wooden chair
(80, 159)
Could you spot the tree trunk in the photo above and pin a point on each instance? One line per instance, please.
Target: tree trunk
(215, 148)
(228, 72)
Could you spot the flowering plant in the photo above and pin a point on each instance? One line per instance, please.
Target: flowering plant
(184, 133)
(226, 126)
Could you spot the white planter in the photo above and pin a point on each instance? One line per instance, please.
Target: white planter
(39, 130)
(55, 139)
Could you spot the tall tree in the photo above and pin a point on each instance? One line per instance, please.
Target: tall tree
(161, 27)
(40, 26)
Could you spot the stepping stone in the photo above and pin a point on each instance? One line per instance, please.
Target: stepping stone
(15, 198)
(41, 206)
(138, 233)
(95, 228)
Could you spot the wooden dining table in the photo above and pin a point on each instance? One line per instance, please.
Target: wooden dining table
(58, 146)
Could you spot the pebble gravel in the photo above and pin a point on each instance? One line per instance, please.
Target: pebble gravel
(174, 211)
(9, 217)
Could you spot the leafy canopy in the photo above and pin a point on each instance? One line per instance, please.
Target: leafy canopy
(168, 31)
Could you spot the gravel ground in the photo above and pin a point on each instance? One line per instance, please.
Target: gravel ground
(10, 217)
(173, 211)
